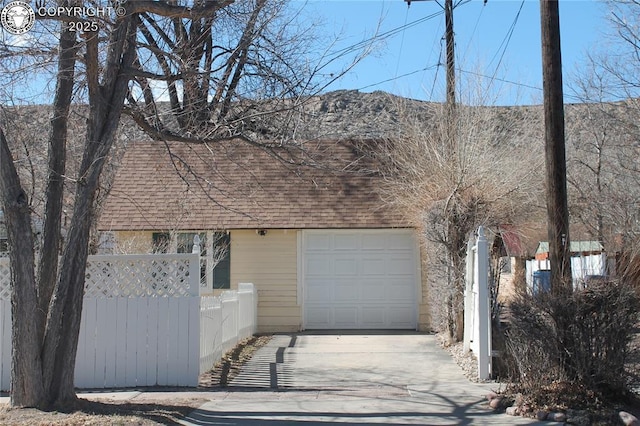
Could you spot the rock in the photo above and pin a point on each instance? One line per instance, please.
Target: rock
(541, 415)
(512, 411)
(491, 395)
(629, 419)
(496, 403)
(557, 417)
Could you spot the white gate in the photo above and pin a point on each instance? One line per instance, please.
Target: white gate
(477, 313)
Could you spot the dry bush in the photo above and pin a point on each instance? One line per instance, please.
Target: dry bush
(580, 341)
(451, 171)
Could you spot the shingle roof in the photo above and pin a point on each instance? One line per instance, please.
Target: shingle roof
(236, 185)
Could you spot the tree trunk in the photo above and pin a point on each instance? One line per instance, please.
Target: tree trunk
(106, 102)
(44, 351)
(26, 363)
(48, 265)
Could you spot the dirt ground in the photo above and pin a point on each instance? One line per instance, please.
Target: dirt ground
(143, 410)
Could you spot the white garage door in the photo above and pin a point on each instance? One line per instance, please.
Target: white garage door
(364, 279)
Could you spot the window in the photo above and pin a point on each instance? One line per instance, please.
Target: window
(219, 260)
(160, 242)
(185, 242)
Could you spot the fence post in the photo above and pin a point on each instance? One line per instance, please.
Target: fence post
(483, 313)
(469, 307)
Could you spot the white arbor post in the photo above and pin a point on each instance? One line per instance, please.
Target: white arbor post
(483, 315)
(469, 304)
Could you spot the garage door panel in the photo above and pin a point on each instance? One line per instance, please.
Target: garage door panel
(359, 279)
(318, 316)
(373, 242)
(374, 316)
(346, 242)
(374, 266)
(346, 317)
(318, 242)
(319, 290)
(400, 266)
(346, 266)
(319, 265)
(346, 292)
(401, 292)
(400, 317)
(374, 290)
(399, 241)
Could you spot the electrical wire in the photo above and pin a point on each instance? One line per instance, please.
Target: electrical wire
(473, 33)
(435, 77)
(506, 40)
(385, 35)
(398, 77)
(406, 17)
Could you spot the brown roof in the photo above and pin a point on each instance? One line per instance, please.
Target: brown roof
(236, 185)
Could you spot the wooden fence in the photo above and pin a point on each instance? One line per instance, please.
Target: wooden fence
(144, 322)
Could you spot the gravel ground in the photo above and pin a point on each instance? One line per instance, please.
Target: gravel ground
(142, 410)
(465, 360)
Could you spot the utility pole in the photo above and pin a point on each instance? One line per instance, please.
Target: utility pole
(556, 164)
(450, 49)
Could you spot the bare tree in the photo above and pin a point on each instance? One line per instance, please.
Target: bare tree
(219, 60)
(604, 195)
(604, 172)
(485, 175)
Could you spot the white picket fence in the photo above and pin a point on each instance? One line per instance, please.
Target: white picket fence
(477, 314)
(144, 322)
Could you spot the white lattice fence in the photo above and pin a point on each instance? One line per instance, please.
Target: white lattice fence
(162, 275)
(140, 322)
(144, 323)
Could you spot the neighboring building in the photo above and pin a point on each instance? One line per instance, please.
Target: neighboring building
(588, 259)
(511, 250)
(307, 227)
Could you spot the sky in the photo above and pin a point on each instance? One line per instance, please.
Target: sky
(497, 46)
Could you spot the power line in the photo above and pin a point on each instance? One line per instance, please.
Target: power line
(398, 77)
(515, 83)
(473, 33)
(507, 38)
(406, 17)
(385, 35)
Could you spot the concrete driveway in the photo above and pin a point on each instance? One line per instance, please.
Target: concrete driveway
(318, 379)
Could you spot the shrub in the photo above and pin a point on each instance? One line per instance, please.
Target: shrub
(582, 338)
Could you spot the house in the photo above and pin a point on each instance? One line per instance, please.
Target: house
(305, 225)
(588, 258)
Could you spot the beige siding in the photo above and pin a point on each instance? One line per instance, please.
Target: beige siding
(270, 262)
